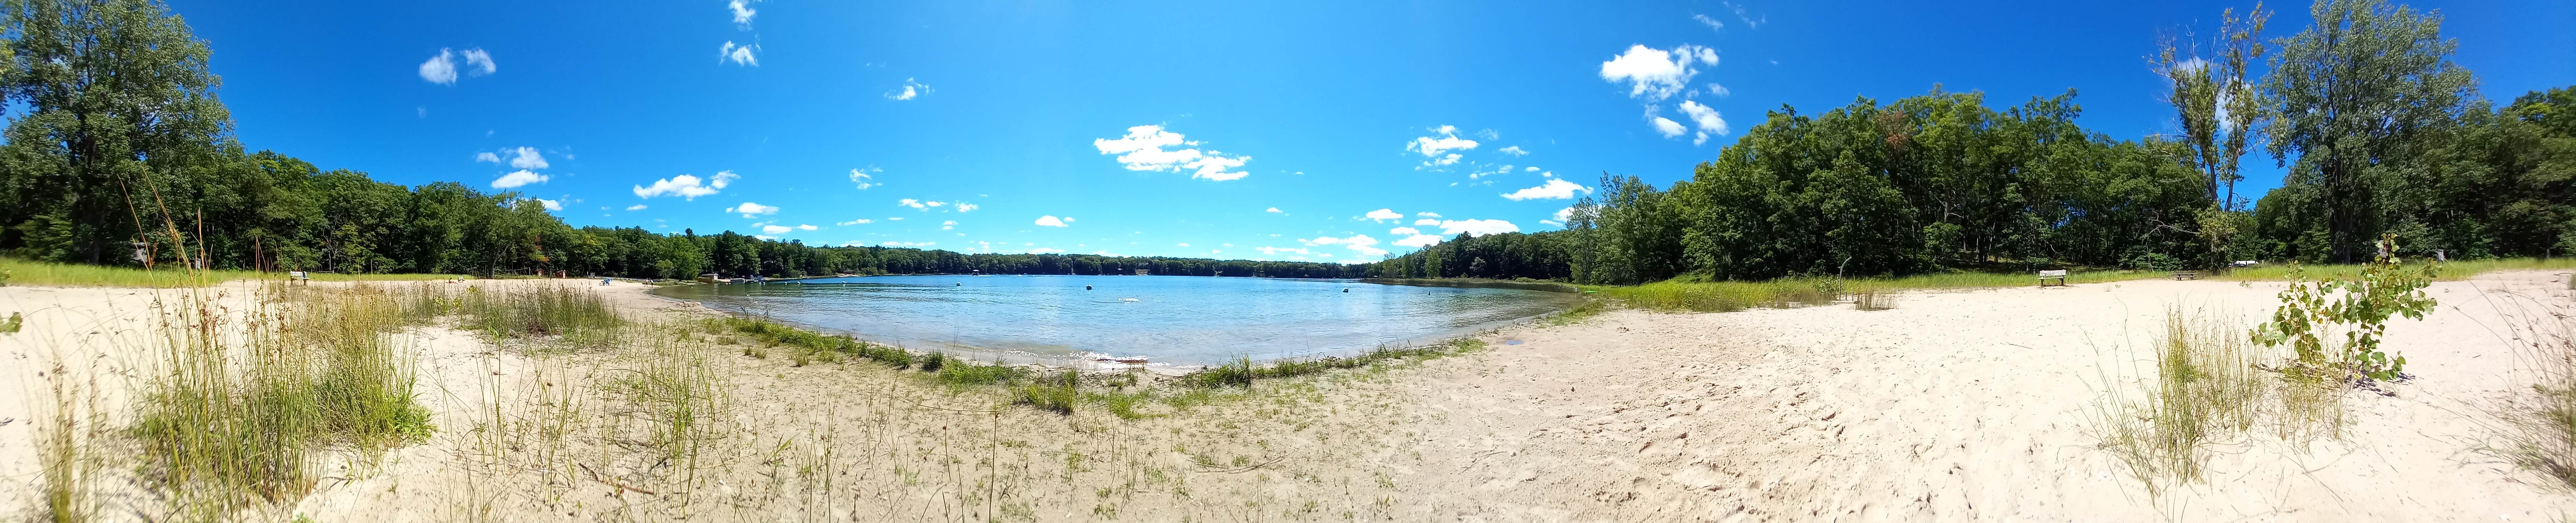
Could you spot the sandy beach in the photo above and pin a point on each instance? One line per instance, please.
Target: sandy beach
(1953, 406)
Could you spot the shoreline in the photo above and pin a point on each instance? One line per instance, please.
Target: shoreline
(1088, 361)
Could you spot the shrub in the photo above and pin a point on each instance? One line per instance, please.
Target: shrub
(2312, 314)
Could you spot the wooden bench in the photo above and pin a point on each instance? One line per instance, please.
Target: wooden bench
(298, 278)
(2059, 275)
(2186, 275)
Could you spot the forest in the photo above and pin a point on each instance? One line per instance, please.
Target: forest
(2379, 130)
(119, 152)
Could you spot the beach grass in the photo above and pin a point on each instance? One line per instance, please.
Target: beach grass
(2450, 271)
(1243, 372)
(236, 410)
(2541, 422)
(2206, 388)
(50, 274)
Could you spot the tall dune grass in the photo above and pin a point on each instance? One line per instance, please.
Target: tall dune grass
(2205, 389)
(237, 410)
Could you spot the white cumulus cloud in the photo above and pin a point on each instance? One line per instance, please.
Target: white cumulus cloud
(776, 229)
(1655, 74)
(526, 158)
(518, 178)
(1148, 148)
(806, 227)
(1666, 126)
(967, 207)
(635, 207)
(1384, 215)
(1426, 221)
(440, 69)
(1418, 241)
(1051, 221)
(550, 205)
(1708, 120)
(686, 186)
(749, 209)
(1403, 231)
(855, 222)
(742, 12)
(1554, 189)
(487, 157)
(1274, 210)
(1477, 227)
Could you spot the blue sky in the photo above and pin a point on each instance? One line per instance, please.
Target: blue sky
(1159, 128)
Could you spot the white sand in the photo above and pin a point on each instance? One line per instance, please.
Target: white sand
(1971, 405)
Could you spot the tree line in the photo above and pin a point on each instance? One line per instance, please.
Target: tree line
(119, 153)
(2379, 130)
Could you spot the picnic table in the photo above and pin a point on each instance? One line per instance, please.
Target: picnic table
(2186, 275)
(298, 278)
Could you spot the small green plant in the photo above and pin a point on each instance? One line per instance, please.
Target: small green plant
(2314, 313)
(1054, 394)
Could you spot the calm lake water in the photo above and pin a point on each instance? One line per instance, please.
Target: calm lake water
(1180, 320)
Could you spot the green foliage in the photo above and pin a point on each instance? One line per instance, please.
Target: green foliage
(2335, 325)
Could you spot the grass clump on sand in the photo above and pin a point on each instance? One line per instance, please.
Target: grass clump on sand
(233, 413)
(1053, 394)
(2205, 389)
(2541, 422)
(577, 316)
(1873, 299)
(810, 346)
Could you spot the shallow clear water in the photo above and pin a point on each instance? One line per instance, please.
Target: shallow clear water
(1180, 320)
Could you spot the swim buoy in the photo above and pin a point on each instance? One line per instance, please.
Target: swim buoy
(1086, 287)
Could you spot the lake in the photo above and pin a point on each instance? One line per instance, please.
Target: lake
(1177, 320)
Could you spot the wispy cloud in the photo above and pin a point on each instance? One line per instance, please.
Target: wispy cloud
(441, 69)
(911, 89)
(865, 177)
(1434, 146)
(1712, 23)
(744, 55)
(1515, 151)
